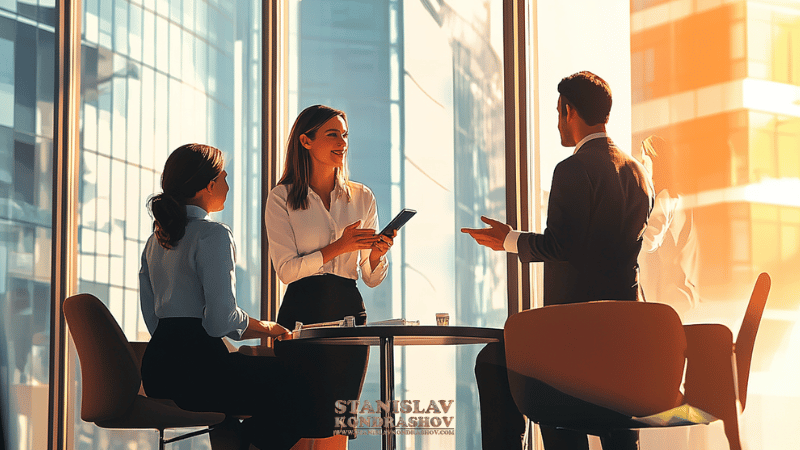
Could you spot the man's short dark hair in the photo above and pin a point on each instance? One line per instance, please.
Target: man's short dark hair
(588, 94)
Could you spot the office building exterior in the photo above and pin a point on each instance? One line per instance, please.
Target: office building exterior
(720, 82)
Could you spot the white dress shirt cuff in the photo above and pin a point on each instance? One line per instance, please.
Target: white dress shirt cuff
(314, 261)
(373, 277)
(510, 244)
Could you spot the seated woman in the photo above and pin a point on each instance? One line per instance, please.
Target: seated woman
(321, 229)
(188, 299)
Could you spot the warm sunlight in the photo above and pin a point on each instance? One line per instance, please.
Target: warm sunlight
(706, 95)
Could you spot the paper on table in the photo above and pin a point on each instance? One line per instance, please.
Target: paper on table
(333, 324)
(394, 323)
(682, 415)
(299, 327)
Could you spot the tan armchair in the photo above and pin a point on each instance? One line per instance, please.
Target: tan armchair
(629, 357)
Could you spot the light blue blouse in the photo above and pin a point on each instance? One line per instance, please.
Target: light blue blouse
(196, 278)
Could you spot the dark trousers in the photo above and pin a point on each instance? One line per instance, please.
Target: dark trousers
(331, 372)
(502, 424)
(186, 365)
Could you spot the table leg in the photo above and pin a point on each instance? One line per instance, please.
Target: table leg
(387, 390)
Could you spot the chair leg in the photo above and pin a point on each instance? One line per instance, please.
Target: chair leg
(160, 439)
(732, 432)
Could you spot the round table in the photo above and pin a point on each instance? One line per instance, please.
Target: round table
(387, 337)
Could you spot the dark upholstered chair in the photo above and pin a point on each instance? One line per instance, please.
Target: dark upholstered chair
(111, 381)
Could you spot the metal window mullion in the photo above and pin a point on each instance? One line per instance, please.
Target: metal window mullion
(64, 209)
(272, 97)
(515, 93)
(537, 275)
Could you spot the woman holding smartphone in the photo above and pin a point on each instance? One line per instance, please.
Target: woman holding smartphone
(321, 229)
(187, 287)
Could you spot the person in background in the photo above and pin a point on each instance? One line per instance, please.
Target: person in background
(321, 230)
(187, 285)
(599, 203)
(668, 258)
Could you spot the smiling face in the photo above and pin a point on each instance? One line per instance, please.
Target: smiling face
(328, 147)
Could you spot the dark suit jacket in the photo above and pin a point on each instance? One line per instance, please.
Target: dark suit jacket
(599, 204)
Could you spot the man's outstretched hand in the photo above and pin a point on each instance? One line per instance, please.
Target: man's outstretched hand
(492, 237)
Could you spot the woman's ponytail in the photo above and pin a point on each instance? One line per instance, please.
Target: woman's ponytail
(188, 170)
(170, 220)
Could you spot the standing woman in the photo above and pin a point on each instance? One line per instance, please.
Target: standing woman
(188, 298)
(321, 230)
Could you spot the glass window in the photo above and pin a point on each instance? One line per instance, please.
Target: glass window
(25, 78)
(187, 42)
(201, 18)
(142, 98)
(10, 5)
(26, 132)
(136, 27)
(121, 33)
(24, 182)
(6, 162)
(162, 44)
(133, 115)
(47, 12)
(148, 38)
(45, 81)
(175, 11)
(27, 10)
(90, 21)
(106, 23)
(422, 85)
(148, 116)
(175, 43)
(7, 71)
(188, 14)
(733, 183)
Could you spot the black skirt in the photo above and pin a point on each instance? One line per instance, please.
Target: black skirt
(186, 365)
(331, 372)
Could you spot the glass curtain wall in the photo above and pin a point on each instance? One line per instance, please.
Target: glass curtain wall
(422, 85)
(27, 52)
(569, 37)
(718, 82)
(155, 75)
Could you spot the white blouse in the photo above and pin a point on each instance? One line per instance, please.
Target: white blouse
(296, 237)
(196, 278)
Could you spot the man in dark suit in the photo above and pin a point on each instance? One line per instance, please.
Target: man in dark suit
(599, 203)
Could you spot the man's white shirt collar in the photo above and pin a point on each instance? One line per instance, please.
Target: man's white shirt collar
(588, 138)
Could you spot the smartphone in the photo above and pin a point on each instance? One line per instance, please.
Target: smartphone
(399, 220)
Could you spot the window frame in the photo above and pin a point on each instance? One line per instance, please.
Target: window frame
(66, 154)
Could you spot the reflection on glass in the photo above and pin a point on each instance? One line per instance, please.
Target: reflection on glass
(26, 131)
(421, 84)
(721, 88)
(142, 96)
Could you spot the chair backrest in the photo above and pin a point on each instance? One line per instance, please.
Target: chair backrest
(622, 355)
(109, 372)
(746, 338)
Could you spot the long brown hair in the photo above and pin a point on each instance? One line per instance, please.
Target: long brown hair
(297, 168)
(188, 170)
